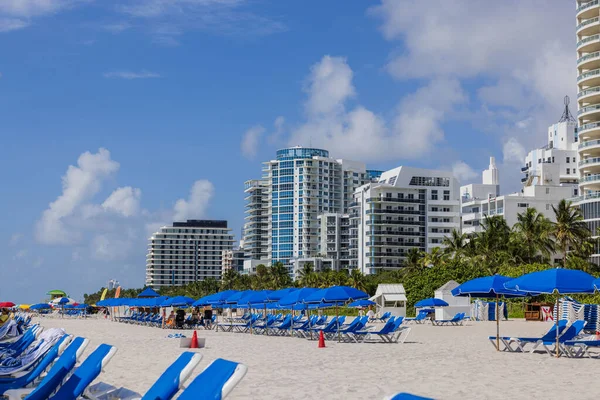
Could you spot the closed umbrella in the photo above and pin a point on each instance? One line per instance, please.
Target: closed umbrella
(558, 281)
(489, 287)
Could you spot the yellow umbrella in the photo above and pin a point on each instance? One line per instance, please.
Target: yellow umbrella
(24, 306)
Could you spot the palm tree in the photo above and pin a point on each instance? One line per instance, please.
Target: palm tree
(533, 231)
(279, 277)
(357, 280)
(433, 259)
(569, 230)
(305, 274)
(229, 279)
(456, 243)
(413, 263)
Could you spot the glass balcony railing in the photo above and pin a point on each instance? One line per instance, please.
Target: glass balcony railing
(588, 39)
(587, 22)
(590, 178)
(588, 74)
(590, 56)
(589, 91)
(588, 109)
(587, 161)
(587, 5)
(585, 127)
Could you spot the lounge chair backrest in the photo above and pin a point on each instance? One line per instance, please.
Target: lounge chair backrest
(214, 381)
(59, 371)
(173, 378)
(572, 332)
(85, 373)
(341, 319)
(551, 334)
(389, 325)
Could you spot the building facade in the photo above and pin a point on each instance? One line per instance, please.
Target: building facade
(255, 233)
(187, 252)
(588, 113)
(299, 185)
(407, 208)
(232, 260)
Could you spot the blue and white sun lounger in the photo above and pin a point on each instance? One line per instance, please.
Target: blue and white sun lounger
(216, 381)
(456, 320)
(17, 347)
(521, 342)
(569, 334)
(419, 319)
(165, 387)
(580, 348)
(75, 385)
(20, 380)
(33, 354)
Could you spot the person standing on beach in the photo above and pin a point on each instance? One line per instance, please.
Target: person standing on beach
(371, 313)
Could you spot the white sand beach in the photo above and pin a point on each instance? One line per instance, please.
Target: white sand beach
(441, 362)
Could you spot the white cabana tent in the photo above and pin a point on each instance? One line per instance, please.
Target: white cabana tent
(455, 304)
(392, 298)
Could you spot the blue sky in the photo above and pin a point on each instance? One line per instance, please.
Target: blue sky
(117, 117)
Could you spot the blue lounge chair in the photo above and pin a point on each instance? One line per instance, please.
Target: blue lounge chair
(569, 334)
(456, 320)
(369, 331)
(58, 372)
(579, 348)
(16, 348)
(216, 381)
(521, 342)
(33, 354)
(419, 319)
(22, 380)
(407, 396)
(165, 387)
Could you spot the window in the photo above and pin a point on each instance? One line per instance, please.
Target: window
(568, 170)
(547, 207)
(568, 158)
(547, 190)
(446, 195)
(434, 195)
(522, 205)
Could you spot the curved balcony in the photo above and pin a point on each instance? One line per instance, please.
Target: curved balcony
(589, 78)
(590, 95)
(590, 145)
(589, 163)
(590, 182)
(589, 44)
(588, 131)
(588, 26)
(589, 61)
(587, 10)
(589, 113)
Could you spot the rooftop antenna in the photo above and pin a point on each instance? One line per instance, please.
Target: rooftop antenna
(567, 116)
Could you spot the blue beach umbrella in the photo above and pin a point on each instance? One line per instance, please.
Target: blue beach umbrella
(337, 295)
(296, 297)
(277, 295)
(489, 287)
(556, 281)
(215, 299)
(237, 296)
(40, 306)
(362, 303)
(177, 301)
(431, 302)
(148, 292)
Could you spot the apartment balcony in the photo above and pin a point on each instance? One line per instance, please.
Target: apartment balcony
(588, 131)
(590, 162)
(589, 78)
(384, 265)
(588, 27)
(587, 10)
(525, 168)
(394, 243)
(590, 95)
(589, 113)
(386, 233)
(588, 196)
(395, 200)
(589, 44)
(590, 182)
(589, 61)
(396, 212)
(413, 223)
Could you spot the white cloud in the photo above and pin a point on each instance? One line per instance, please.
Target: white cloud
(117, 27)
(80, 183)
(12, 24)
(131, 75)
(279, 125)
(196, 204)
(514, 151)
(463, 172)
(250, 141)
(412, 131)
(15, 239)
(329, 86)
(124, 200)
(32, 8)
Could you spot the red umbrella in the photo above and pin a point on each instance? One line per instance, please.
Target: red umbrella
(75, 304)
(7, 304)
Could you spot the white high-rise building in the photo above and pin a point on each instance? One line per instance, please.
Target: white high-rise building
(187, 252)
(407, 208)
(300, 184)
(588, 113)
(550, 176)
(256, 224)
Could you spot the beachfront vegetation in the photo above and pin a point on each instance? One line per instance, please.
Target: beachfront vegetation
(534, 243)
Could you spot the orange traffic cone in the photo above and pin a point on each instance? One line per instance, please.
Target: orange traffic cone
(194, 343)
(321, 339)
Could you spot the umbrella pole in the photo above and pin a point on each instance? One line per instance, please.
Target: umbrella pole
(337, 322)
(497, 325)
(556, 325)
(266, 320)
